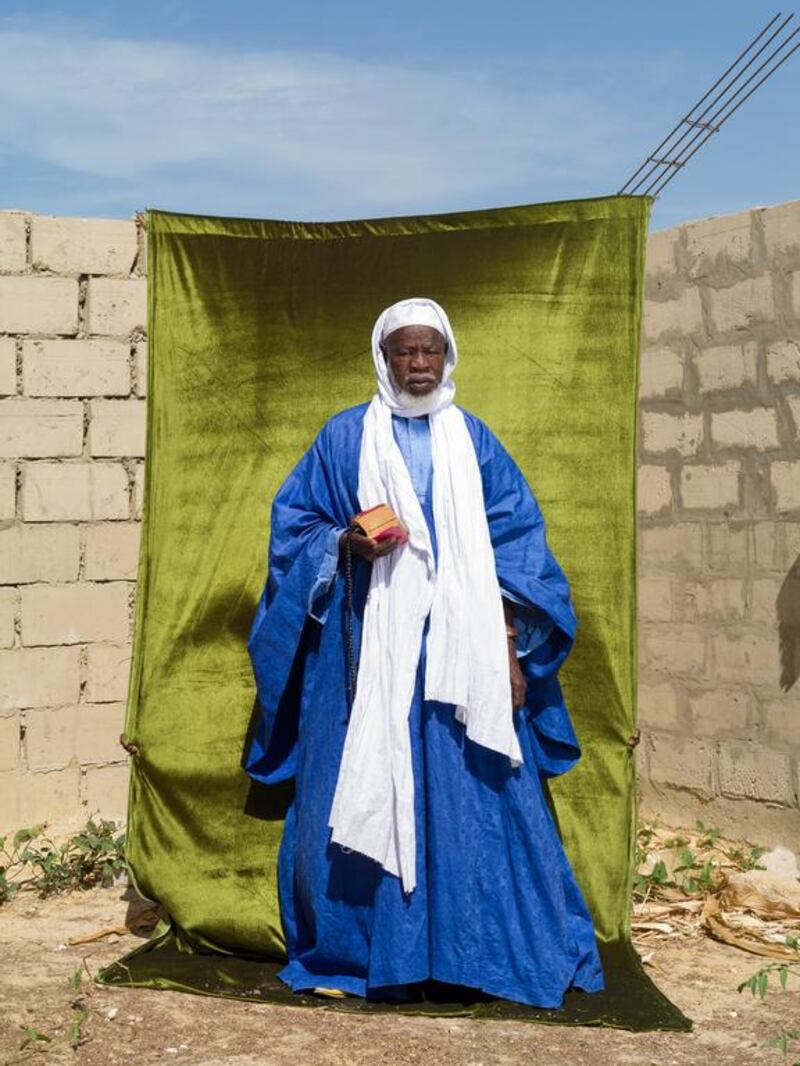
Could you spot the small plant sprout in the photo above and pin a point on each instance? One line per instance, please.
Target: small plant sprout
(33, 1036)
(758, 983)
(80, 1011)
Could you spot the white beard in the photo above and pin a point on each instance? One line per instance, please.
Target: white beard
(422, 405)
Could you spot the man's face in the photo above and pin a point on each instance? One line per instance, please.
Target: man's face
(416, 357)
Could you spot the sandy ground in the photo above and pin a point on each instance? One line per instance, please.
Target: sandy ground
(147, 1027)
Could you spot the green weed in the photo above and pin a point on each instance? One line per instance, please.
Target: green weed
(701, 856)
(79, 1016)
(745, 858)
(31, 860)
(785, 1040)
(33, 1036)
(758, 984)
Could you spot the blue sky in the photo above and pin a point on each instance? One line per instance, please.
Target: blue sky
(348, 110)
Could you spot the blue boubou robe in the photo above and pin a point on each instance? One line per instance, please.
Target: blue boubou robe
(496, 906)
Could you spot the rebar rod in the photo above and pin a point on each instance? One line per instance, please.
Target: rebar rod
(716, 121)
(678, 153)
(702, 99)
(685, 159)
(723, 93)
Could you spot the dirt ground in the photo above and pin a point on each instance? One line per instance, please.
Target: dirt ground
(143, 1026)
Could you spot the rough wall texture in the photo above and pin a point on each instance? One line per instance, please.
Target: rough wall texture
(719, 499)
(72, 436)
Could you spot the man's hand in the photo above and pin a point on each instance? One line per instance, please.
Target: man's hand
(368, 548)
(519, 684)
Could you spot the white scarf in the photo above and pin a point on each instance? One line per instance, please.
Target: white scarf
(467, 651)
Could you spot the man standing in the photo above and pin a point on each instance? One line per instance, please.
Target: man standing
(419, 844)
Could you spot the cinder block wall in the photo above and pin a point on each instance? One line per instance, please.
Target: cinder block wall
(719, 548)
(719, 499)
(72, 438)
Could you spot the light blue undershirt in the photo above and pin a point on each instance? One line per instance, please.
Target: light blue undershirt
(413, 438)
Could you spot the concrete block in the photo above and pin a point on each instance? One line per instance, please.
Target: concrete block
(50, 737)
(75, 368)
(10, 748)
(658, 708)
(679, 762)
(749, 771)
(683, 316)
(764, 603)
(140, 360)
(8, 366)
(768, 547)
(99, 727)
(9, 601)
(660, 373)
(672, 433)
(660, 252)
(754, 430)
(112, 551)
(747, 659)
(106, 791)
(74, 492)
(8, 490)
(781, 227)
(107, 671)
(794, 409)
(71, 614)
(655, 599)
(39, 677)
(11, 787)
(677, 651)
(785, 478)
(654, 490)
(710, 487)
(728, 547)
(83, 245)
(783, 361)
(10, 745)
(721, 713)
(673, 547)
(719, 599)
(117, 427)
(34, 428)
(39, 553)
(739, 306)
(138, 491)
(726, 366)
(780, 723)
(12, 243)
(116, 307)
(38, 305)
(728, 236)
(49, 796)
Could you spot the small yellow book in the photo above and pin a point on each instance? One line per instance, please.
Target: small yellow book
(381, 522)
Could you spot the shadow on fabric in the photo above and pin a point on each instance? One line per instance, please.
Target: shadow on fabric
(258, 332)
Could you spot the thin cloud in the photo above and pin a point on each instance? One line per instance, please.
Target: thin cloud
(298, 127)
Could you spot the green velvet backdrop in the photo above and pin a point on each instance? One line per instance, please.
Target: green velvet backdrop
(259, 330)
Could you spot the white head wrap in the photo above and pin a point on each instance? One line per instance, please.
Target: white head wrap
(417, 311)
(467, 652)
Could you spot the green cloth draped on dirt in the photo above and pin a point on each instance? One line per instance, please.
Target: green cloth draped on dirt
(260, 330)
